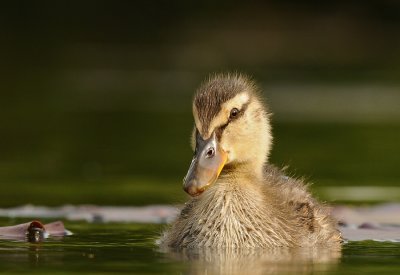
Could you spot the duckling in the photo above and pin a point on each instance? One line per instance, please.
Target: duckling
(238, 198)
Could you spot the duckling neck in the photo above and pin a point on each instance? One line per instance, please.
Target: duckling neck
(242, 170)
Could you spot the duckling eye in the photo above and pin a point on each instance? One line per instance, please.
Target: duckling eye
(234, 113)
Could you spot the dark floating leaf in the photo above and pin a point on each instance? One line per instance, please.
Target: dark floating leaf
(33, 231)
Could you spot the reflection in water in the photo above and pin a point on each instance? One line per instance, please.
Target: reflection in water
(21, 256)
(259, 261)
(34, 254)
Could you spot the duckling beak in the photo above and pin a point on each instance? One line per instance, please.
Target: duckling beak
(207, 164)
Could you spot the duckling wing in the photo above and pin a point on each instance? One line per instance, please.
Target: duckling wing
(293, 191)
(313, 216)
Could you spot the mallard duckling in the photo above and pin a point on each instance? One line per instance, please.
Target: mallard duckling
(238, 199)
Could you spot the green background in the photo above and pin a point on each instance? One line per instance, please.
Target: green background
(95, 96)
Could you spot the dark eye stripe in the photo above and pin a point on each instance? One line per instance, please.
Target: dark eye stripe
(220, 130)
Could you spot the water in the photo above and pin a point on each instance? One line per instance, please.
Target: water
(93, 248)
(131, 248)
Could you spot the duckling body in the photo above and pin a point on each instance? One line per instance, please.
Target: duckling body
(239, 200)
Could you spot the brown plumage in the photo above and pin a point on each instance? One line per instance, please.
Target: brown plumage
(239, 200)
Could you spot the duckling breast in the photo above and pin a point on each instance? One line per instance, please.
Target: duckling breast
(228, 215)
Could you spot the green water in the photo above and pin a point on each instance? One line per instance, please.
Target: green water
(131, 248)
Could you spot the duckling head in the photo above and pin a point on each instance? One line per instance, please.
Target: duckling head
(231, 133)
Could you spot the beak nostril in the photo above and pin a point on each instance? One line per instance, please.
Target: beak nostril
(210, 152)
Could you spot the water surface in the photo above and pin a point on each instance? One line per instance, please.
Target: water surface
(131, 248)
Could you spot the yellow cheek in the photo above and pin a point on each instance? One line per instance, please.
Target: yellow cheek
(227, 145)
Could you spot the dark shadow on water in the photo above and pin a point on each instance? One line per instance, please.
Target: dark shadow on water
(258, 261)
